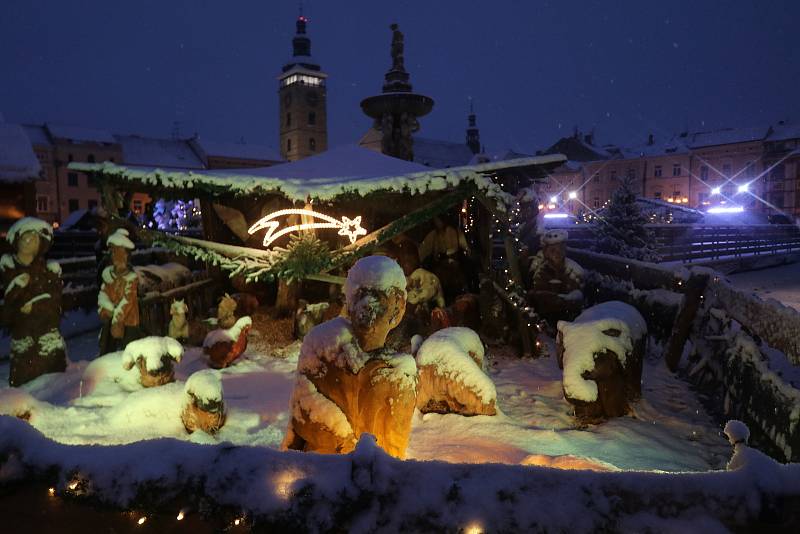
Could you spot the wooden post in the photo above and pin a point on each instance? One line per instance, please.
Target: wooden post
(695, 287)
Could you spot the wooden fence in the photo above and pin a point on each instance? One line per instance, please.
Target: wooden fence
(690, 242)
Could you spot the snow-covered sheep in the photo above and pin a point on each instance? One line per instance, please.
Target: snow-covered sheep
(224, 345)
(155, 356)
(602, 353)
(451, 376)
(204, 407)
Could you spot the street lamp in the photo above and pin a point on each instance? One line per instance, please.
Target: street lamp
(716, 191)
(573, 195)
(743, 188)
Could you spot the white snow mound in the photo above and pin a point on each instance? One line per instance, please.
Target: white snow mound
(151, 349)
(205, 386)
(584, 338)
(448, 350)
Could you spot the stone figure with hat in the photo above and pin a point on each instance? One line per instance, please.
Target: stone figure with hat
(32, 302)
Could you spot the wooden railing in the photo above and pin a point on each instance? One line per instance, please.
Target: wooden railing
(689, 242)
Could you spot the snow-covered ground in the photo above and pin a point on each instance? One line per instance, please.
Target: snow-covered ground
(99, 402)
(781, 283)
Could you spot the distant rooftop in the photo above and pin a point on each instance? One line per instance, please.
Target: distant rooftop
(150, 152)
(80, 134)
(239, 150)
(441, 154)
(17, 160)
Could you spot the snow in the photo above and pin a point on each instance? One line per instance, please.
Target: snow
(80, 134)
(239, 150)
(585, 337)
(150, 152)
(441, 154)
(737, 432)
(457, 353)
(205, 386)
(331, 342)
(780, 283)
(18, 161)
(120, 239)
(152, 349)
(29, 224)
(374, 272)
(307, 400)
(343, 170)
(553, 237)
(227, 335)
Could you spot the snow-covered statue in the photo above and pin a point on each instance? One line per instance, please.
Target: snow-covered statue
(308, 316)
(118, 299)
(451, 374)
(179, 323)
(155, 357)
(229, 340)
(347, 382)
(601, 353)
(557, 281)
(203, 407)
(32, 302)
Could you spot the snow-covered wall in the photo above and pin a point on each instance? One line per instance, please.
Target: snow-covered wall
(369, 491)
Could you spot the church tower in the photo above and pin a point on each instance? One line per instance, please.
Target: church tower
(302, 101)
(473, 135)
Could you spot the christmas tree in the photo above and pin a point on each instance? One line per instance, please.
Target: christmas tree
(620, 228)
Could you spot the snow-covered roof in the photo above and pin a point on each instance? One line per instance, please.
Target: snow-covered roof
(784, 130)
(726, 136)
(497, 155)
(17, 160)
(440, 154)
(343, 170)
(150, 152)
(80, 134)
(239, 150)
(37, 133)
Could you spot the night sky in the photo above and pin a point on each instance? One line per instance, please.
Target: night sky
(534, 68)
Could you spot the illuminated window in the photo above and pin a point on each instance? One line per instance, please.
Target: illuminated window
(301, 78)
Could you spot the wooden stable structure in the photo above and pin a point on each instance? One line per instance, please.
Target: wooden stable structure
(390, 196)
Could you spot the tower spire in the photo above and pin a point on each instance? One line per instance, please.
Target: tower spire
(473, 135)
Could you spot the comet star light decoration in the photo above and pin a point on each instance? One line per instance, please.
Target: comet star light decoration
(347, 227)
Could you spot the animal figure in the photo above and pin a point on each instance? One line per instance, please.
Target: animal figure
(178, 324)
(465, 311)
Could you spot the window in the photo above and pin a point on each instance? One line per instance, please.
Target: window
(612, 175)
(312, 144)
(288, 145)
(676, 194)
(74, 205)
(657, 171)
(90, 158)
(726, 170)
(72, 179)
(92, 204)
(704, 172)
(312, 118)
(596, 202)
(288, 119)
(42, 203)
(632, 173)
(676, 169)
(657, 195)
(70, 158)
(778, 173)
(776, 199)
(596, 177)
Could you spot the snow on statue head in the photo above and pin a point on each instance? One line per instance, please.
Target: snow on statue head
(120, 245)
(554, 247)
(375, 293)
(30, 237)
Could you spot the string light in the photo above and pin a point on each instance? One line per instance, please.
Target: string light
(181, 515)
(142, 520)
(51, 491)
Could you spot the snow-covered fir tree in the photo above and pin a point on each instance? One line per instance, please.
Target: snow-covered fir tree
(621, 228)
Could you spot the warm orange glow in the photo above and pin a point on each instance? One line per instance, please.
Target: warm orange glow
(473, 528)
(284, 481)
(142, 520)
(567, 461)
(51, 491)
